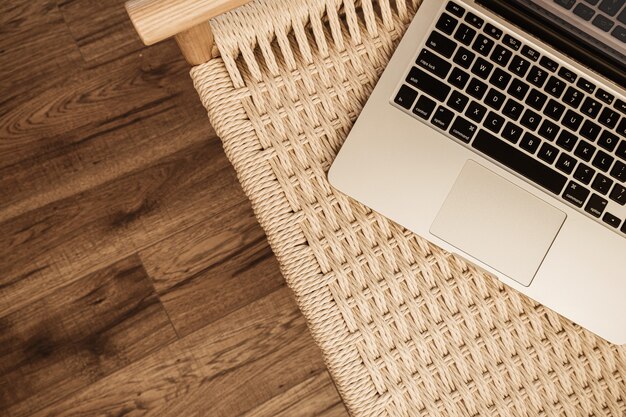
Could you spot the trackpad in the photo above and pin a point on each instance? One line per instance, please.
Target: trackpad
(498, 223)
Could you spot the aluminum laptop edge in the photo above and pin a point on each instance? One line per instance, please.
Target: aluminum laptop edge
(418, 177)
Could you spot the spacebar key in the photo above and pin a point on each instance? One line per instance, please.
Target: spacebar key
(519, 162)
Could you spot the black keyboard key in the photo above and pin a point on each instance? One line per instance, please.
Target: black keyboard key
(476, 88)
(555, 87)
(611, 220)
(433, 63)
(537, 76)
(511, 42)
(494, 99)
(464, 34)
(586, 85)
(457, 101)
(530, 142)
(611, 7)
(536, 99)
(548, 63)
(519, 66)
(530, 53)
(405, 97)
(603, 161)
(621, 150)
(608, 140)
(513, 109)
(623, 229)
(567, 74)
(512, 132)
(618, 194)
(621, 128)
(591, 107)
(476, 111)
(619, 171)
(596, 205)
(442, 117)
(584, 173)
(620, 105)
(576, 194)
(590, 130)
(604, 95)
(568, 4)
(548, 153)
(565, 163)
(428, 84)
(424, 107)
(585, 150)
(501, 55)
(455, 9)
(619, 33)
(554, 110)
(439, 43)
(584, 12)
(602, 184)
(602, 22)
(608, 117)
(463, 129)
(500, 78)
(519, 162)
(567, 140)
(474, 20)
(573, 97)
(572, 120)
(494, 122)
(464, 57)
(458, 78)
(482, 68)
(492, 31)
(446, 23)
(548, 130)
(530, 119)
(483, 45)
(518, 89)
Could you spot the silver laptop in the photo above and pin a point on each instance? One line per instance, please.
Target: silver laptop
(498, 132)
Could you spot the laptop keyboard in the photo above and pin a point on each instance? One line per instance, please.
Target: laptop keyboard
(606, 15)
(502, 98)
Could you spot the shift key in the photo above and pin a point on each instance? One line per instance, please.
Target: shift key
(428, 84)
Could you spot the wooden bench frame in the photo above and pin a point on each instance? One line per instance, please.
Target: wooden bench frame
(186, 20)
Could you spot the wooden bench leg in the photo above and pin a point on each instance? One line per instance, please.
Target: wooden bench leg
(196, 43)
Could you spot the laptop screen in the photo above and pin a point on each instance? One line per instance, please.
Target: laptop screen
(592, 32)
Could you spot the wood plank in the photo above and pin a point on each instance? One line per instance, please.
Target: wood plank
(78, 334)
(256, 360)
(37, 49)
(49, 247)
(249, 357)
(95, 127)
(144, 388)
(209, 270)
(102, 30)
(315, 397)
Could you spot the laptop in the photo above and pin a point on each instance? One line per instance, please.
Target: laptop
(498, 132)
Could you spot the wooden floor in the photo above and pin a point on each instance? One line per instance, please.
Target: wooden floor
(134, 279)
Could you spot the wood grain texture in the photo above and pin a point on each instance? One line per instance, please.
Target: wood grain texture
(78, 334)
(207, 271)
(134, 278)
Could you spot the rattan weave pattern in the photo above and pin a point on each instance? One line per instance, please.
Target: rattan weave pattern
(406, 329)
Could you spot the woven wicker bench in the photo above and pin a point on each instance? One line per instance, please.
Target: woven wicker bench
(406, 329)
